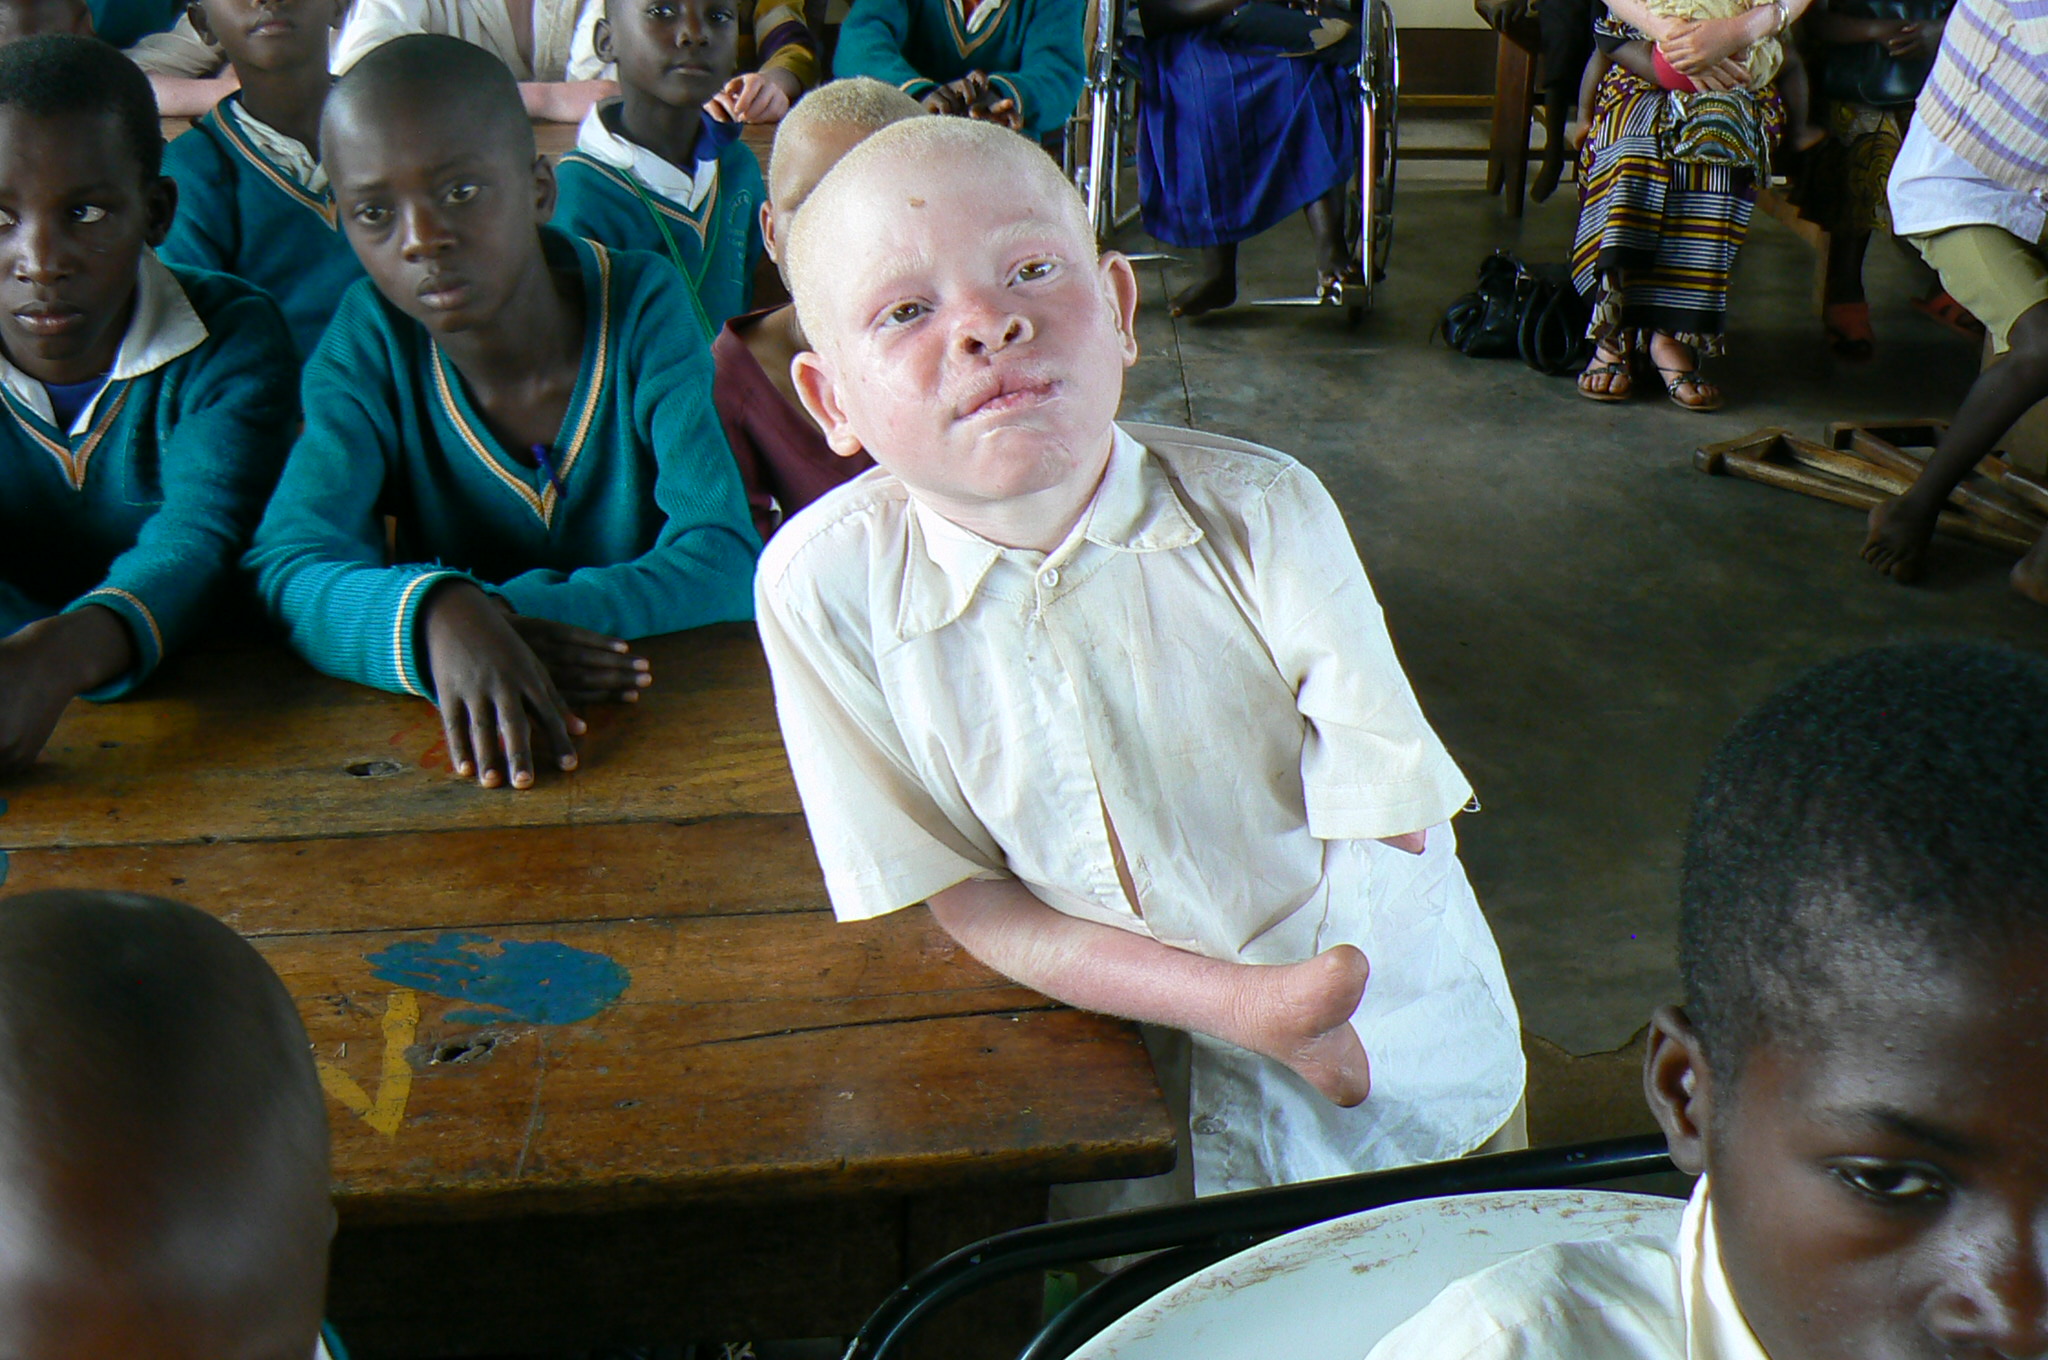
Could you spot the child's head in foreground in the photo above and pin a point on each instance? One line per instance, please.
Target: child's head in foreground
(28, 18)
(163, 1142)
(965, 330)
(814, 136)
(81, 194)
(1861, 1066)
(436, 179)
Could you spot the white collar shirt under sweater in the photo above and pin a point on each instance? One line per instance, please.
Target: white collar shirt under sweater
(1619, 1298)
(1203, 661)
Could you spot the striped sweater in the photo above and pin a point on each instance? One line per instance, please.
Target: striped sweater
(1988, 97)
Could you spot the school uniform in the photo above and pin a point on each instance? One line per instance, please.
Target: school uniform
(122, 23)
(1202, 665)
(563, 48)
(255, 203)
(704, 218)
(634, 524)
(1617, 1298)
(139, 493)
(783, 458)
(1031, 50)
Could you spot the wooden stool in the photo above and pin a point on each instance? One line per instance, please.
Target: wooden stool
(1514, 95)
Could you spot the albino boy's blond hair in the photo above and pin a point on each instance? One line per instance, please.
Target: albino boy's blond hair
(861, 103)
(1006, 161)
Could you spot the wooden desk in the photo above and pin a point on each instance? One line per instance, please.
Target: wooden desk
(555, 138)
(671, 1098)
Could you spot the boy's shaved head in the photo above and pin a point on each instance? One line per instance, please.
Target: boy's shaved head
(860, 106)
(961, 149)
(435, 77)
(62, 75)
(161, 1120)
(1887, 810)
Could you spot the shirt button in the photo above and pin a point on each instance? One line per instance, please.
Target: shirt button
(1050, 577)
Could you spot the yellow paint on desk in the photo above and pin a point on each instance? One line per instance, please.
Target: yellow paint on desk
(394, 1086)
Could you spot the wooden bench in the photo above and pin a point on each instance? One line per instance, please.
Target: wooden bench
(603, 1068)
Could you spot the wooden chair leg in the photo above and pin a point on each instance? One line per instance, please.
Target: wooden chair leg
(1504, 73)
(1523, 91)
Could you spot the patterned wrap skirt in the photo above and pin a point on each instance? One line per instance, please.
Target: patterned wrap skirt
(1232, 139)
(1841, 188)
(1658, 235)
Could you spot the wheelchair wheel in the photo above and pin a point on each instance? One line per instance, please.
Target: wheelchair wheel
(1379, 80)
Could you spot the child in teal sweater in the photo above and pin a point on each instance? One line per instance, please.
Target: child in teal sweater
(147, 408)
(1014, 62)
(533, 410)
(253, 200)
(651, 171)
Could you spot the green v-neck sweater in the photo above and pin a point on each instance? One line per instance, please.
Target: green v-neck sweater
(1031, 51)
(146, 510)
(716, 246)
(647, 533)
(241, 213)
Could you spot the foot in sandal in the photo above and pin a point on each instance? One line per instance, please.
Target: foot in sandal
(1679, 366)
(1607, 375)
(1848, 330)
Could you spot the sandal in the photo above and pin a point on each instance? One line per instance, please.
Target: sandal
(1951, 314)
(1335, 290)
(1848, 330)
(1616, 367)
(1675, 378)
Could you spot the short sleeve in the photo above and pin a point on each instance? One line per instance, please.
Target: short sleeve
(881, 838)
(372, 23)
(1371, 765)
(179, 52)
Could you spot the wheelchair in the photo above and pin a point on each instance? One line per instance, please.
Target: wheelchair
(1179, 1240)
(1101, 142)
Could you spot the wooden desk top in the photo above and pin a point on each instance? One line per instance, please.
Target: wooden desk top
(621, 987)
(555, 138)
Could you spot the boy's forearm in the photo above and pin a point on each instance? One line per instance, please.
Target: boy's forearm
(179, 97)
(563, 101)
(1091, 966)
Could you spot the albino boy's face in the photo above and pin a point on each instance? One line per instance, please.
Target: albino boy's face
(970, 338)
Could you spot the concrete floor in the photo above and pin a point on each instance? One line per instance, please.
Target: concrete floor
(1582, 614)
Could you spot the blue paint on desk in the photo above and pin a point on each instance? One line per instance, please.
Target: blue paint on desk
(534, 982)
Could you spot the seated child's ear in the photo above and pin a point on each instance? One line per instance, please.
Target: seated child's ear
(544, 189)
(601, 40)
(1120, 287)
(160, 202)
(1678, 1086)
(820, 396)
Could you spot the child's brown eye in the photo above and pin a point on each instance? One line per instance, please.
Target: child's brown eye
(1889, 1182)
(1037, 269)
(88, 213)
(463, 193)
(904, 312)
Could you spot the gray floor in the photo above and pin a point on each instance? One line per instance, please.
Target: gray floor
(1581, 612)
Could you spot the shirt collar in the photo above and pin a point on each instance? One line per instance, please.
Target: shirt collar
(1714, 1326)
(982, 17)
(596, 139)
(1135, 509)
(289, 153)
(164, 327)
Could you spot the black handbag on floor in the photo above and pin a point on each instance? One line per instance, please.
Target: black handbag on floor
(1865, 73)
(1521, 310)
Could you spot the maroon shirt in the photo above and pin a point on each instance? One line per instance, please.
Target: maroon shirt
(783, 457)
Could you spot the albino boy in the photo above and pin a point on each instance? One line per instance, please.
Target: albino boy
(1117, 701)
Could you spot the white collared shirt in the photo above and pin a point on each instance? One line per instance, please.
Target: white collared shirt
(984, 13)
(1934, 189)
(689, 188)
(164, 326)
(564, 47)
(180, 51)
(1618, 1298)
(1203, 664)
(289, 153)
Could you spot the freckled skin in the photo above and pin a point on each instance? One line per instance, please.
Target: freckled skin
(1880, 1189)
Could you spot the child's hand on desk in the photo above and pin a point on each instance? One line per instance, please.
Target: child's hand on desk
(45, 665)
(992, 107)
(587, 667)
(491, 688)
(955, 98)
(752, 97)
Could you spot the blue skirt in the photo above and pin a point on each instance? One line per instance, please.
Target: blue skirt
(1231, 140)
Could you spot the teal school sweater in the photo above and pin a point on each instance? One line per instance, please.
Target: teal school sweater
(1032, 51)
(241, 213)
(650, 533)
(147, 511)
(123, 23)
(716, 247)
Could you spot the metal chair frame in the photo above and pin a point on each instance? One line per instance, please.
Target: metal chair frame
(1189, 1237)
(1101, 131)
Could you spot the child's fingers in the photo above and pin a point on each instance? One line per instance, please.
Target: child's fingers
(555, 722)
(455, 731)
(516, 738)
(608, 680)
(483, 742)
